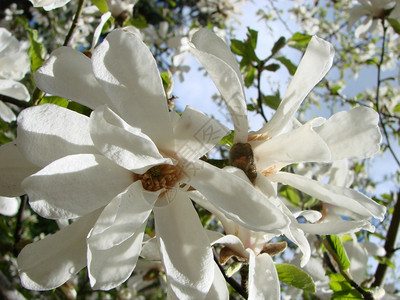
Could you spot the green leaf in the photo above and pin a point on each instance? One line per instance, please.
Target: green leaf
(272, 101)
(291, 67)
(55, 100)
(79, 108)
(397, 108)
(252, 36)
(301, 38)
(395, 24)
(233, 268)
(272, 67)
(36, 50)
(279, 44)
(238, 47)
(296, 277)
(101, 5)
(249, 78)
(228, 139)
(341, 288)
(251, 107)
(335, 89)
(339, 251)
(290, 194)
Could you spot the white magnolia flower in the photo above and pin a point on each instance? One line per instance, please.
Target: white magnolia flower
(130, 158)
(373, 11)
(49, 4)
(14, 64)
(283, 141)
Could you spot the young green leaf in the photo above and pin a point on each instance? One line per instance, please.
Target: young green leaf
(338, 251)
(101, 5)
(296, 277)
(36, 50)
(395, 25)
(288, 64)
(279, 44)
(54, 100)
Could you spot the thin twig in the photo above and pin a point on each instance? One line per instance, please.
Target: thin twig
(18, 226)
(74, 22)
(390, 242)
(234, 284)
(14, 101)
(260, 96)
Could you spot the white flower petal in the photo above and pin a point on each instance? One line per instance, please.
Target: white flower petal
(6, 113)
(358, 257)
(196, 134)
(352, 134)
(68, 73)
(223, 69)
(151, 250)
(232, 242)
(339, 196)
(236, 198)
(9, 206)
(14, 168)
(120, 218)
(296, 235)
(316, 62)
(48, 263)
(336, 227)
(127, 71)
(14, 89)
(218, 290)
(123, 144)
(49, 132)
(111, 267)
(185, 249)
(75, 185)
(263, 278)
(302, 144)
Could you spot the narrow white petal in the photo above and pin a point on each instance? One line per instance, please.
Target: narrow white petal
(126, 146)
(14, 89)
(185, 249)
(336, 227)
(68, 73)
(196, 134)
(220, 64)
(218, 290)
(111, 267)
(302, 144)
(127, 71)
(75, 185)
(263, 278)
(6, 113)
(296, 235)
(120, 218)
(48, 263)
(339, 196)
(14, 168)
(49, 132)
(352, 134)
(358, 256)
(314, 65)
(235, 197)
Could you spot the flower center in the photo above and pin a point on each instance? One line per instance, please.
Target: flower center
(159, 177)
(241, 156)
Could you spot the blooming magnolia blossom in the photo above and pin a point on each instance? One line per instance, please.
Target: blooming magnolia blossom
(130, 158)
(49, 4)
(373, 11)
(14, 64)
(284, 141)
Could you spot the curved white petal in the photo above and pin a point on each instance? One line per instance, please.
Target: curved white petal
(232, 242)
(339, 196)
(358, 257)
(48, 263)
(14, 89)
(9, 206)
(14, 168)
(218, 290)
(263, 278)
(336, 227)
(223, 69)
(196, 134)
(6, 113)
(352, 134)
(126, 146)
(235, 197)
(120, 218)
(68, 73)
(314, 65)
(127, 71)
(110, 267)
(185, 249)
(297, 236)
(302, 144)
(49, 132)
(75, 185)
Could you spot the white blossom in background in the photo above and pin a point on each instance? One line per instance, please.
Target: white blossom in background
(14, 64)
(228, 9)
(49, 4)
(370, 12)
(9, 206)
(130, 158)
(284, 141)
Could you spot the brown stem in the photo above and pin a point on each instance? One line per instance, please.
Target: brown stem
(14, 101)
(18, 226)
(74, 23)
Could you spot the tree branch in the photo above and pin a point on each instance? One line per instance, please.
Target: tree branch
(74, 22)
(14, 101)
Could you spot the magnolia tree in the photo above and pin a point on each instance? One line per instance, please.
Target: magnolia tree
(109, 191)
